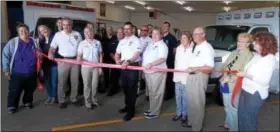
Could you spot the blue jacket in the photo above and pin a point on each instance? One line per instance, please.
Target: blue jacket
(8, 53)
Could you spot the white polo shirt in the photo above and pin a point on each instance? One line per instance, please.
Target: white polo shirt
(145, 41)
(182, 62)
(203, 55)
(128, 46)
(154, 52)
(90, 50)
(67, 44)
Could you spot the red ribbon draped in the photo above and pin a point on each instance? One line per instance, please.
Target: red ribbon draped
(71, 61)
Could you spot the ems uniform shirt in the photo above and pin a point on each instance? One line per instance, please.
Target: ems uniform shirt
(106, 46)
(67, 44)
(128, 46)
(171, 43)
(154, 52)
(145, 41)
(90, 50)
(203, 55)
(182, 61)
(112, 46)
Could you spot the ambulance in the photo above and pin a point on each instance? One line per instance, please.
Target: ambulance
(37, 13)
(223, 36)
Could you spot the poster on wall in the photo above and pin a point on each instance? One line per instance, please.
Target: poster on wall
(102, 10)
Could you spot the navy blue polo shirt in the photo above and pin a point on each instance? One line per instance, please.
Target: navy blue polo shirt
(171, 43)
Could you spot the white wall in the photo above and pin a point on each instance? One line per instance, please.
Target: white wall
(115, 15)
(183, 21)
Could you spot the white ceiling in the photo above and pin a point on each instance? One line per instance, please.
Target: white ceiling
(199, 6)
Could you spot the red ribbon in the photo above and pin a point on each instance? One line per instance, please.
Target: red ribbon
(236, 89)
(71, 61)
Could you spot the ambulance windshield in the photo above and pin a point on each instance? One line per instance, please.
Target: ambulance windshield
(224, 37)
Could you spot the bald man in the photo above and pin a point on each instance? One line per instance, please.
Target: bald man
(201, 65)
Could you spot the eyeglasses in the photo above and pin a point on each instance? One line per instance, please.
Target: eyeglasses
(144, 30)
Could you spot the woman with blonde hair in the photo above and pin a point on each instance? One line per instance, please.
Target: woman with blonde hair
(49, 67)
(236, 61)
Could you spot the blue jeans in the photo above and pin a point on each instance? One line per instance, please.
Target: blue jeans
(51, 81)
(248, 111)
(231, 120)
(181, 101)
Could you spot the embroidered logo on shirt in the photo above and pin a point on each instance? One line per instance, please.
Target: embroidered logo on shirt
(130, 43)
(155, 47)
(76, 37)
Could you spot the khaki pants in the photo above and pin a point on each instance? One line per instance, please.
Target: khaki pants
(90, 79)
(156, 86)
(64, 71)
(195, 89)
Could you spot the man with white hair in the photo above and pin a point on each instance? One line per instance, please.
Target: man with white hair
(201, 65)
(67, 42)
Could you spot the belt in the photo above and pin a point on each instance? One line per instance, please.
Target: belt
(70, 57)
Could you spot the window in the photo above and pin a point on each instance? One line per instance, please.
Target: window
(224, 37)
(258, 15)
(269, 14)
(228, 17)
(259, 29)
(78, 25)
(247, 16)
(237, 16)
(221, 17)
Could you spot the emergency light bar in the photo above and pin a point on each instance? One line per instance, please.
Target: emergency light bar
(61, 6)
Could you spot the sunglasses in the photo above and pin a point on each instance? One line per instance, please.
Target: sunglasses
(144, 30)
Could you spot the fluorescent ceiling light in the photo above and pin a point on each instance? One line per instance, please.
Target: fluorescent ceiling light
(227, 8)
(129, 7)
(140, 2)
(110, 1)
(227, 2)
(149, 8)
(180, 2)
(188, 8)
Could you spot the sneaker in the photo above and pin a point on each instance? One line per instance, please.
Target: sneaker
(176, 118)
(147, 113)
(48, 101)
(53, 101)
(11, 110)
(151, 116)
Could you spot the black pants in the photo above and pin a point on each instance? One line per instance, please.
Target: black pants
(170, 85)
(114, 80)
(19, 83)
(129, 83)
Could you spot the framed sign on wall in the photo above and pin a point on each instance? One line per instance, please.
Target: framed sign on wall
(102, 10)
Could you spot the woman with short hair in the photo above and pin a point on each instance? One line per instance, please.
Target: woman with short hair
(182, 58)
(155, 56)
(19, 66)
(236, 61)
(256, 79)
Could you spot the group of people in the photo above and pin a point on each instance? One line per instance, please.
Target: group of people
(156, 48)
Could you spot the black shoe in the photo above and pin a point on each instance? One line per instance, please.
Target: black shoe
(168, 98)
(62, 105)
(28, 106)
(176, 118)
(111, 93)
(11, 110)
(147, 98)
(77, 104)
(185, 124)
(123, 110)
(127, 117)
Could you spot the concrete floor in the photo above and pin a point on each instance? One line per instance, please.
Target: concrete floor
(44, 118)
